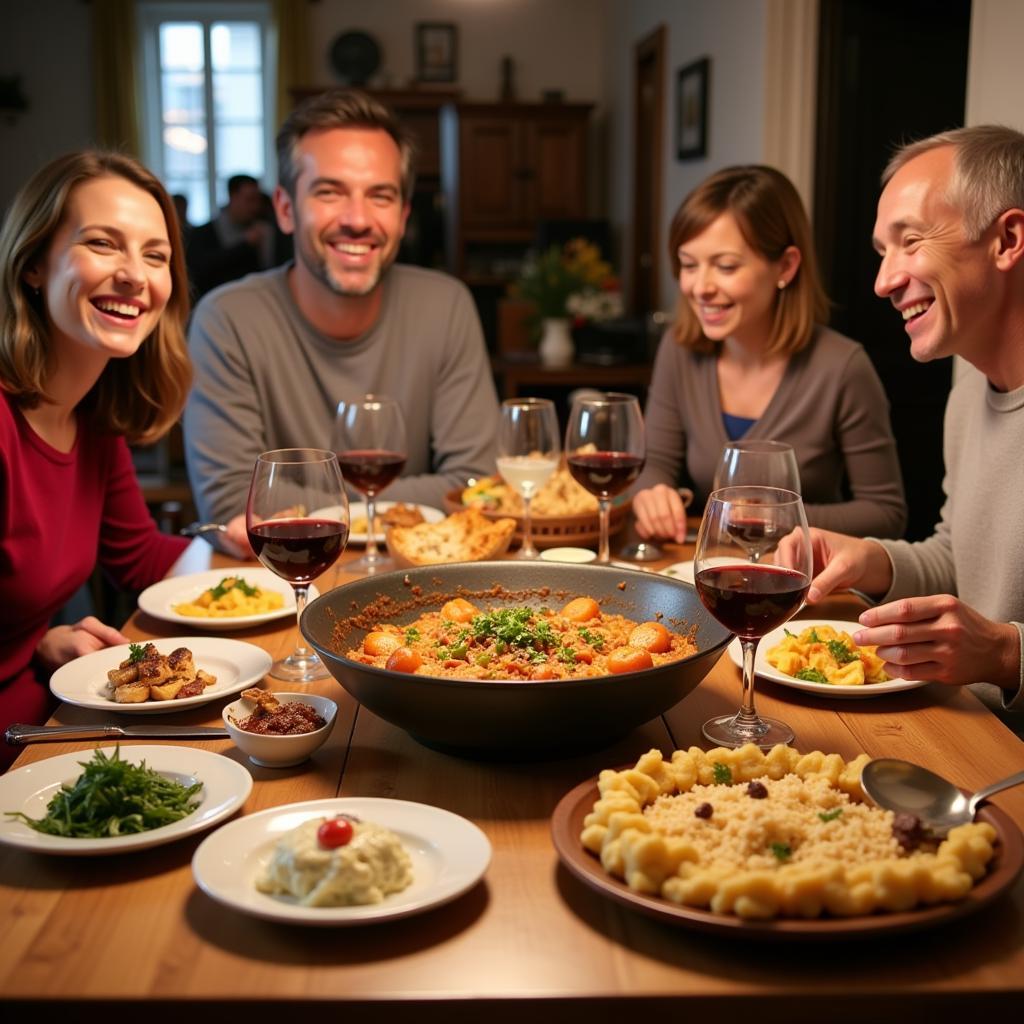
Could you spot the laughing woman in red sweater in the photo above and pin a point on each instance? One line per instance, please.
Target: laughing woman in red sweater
(93, 303)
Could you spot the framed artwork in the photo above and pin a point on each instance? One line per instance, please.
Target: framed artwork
(436, 51)
(692, 110)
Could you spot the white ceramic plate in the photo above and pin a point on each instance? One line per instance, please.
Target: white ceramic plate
(449, 855)
(226, 786)
(159, 600)
(236, 665)
(762, 668)
(357, 510)
(679, 571)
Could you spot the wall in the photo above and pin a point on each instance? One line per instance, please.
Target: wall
(995, 79)
(732, 33)
(48, 44)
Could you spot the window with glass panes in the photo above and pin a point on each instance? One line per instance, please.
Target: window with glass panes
(208, 97)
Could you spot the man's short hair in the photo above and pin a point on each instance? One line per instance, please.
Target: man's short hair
(989, 171)
(341, 108)
(237, 181)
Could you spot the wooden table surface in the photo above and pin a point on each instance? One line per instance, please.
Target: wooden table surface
(530, 939)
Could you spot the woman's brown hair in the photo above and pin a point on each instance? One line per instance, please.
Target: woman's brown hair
(140, 396)
(771, 218)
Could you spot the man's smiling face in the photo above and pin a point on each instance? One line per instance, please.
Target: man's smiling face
(931, 272)
(348, 215)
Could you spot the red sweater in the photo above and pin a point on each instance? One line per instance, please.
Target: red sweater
(60, 514)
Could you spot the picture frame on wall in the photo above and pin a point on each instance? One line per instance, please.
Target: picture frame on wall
(692, 82)
(437, 47)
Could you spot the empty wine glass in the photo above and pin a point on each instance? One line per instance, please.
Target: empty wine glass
(605, 450)
(757, 463)
(528, 447)
(369, 437)
(290, 540)
(751, 596)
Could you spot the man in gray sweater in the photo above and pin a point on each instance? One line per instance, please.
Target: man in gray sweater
(276, 352)
(950, 234)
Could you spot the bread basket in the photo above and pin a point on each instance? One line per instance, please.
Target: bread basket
(555, 531)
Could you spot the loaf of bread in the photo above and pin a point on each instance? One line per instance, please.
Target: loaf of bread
(467, 536)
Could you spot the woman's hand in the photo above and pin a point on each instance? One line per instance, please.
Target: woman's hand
(941, 638)
(660, 514)
(65, 643)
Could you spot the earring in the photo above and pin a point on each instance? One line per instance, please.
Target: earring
(782, 283)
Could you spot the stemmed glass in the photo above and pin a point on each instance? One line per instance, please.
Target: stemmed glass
(757, 463)
(369, 437)
(290, 540)
(528, 448)
(751, 596)
(606, 449)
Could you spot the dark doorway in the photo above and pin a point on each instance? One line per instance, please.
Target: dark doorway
(888, 73)
(649, 100)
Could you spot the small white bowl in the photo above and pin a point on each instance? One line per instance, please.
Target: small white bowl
(578, 555)
(279, 751)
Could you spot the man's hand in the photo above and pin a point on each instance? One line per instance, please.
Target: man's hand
(659, 513)
(840, 562)
(235, 540)
(943, 639)
(65, 643)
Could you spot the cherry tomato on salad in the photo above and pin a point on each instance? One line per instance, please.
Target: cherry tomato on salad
(334, 833)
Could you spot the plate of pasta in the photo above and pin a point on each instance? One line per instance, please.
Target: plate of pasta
(221, 599)
(819, 656)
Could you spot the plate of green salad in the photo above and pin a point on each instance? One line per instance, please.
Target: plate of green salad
(116, 799)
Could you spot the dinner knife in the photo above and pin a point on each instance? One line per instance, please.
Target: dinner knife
(19, 733)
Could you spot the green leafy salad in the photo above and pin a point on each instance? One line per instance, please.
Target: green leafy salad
(114, 798)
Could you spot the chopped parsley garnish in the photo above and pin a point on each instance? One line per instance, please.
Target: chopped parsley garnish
(233, 583)
(781, 851)
(813, 637)
(787, 632)
(136, 652)
(412, 634)
(113, 798)
(594, 639)
(812, 675)
(830, 815)
(841, 652)
(567, 655)
(721, 773)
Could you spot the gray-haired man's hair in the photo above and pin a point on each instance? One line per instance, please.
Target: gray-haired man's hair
(989, 171)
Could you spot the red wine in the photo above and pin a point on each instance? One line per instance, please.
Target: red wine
(605, 474)
(298, 550)
(751, 600)
(370, 470)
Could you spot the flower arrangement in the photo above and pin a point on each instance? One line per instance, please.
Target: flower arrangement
(570, 281)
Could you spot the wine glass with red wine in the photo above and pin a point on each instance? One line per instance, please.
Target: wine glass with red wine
(370, 441)
(761, 463)
(297, 518)
(751, 596)
(605, 450)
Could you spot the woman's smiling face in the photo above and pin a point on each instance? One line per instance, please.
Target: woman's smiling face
(106, 275)
(730, 287)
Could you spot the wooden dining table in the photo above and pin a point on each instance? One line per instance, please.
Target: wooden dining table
(85, 936)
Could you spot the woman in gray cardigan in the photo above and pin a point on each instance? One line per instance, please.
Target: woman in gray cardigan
(748, 357)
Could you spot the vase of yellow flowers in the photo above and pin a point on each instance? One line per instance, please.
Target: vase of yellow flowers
(556, 281)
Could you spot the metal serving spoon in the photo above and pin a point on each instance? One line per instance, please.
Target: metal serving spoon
(904, 787)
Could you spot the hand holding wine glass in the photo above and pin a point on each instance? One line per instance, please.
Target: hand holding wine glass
(528, 447)
(605, 449)
(762, 464)
(370, 441)
(290, 540)
(751, 596)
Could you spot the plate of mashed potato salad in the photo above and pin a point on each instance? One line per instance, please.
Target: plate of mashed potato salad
(341, 861)
(782, 844)
(221, 599)
(819, 656)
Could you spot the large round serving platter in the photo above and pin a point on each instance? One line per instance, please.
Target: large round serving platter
(567, 825)
(235, 665)
(449, 855)
(226, 786)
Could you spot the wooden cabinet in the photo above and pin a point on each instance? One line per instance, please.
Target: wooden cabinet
(504, 169)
